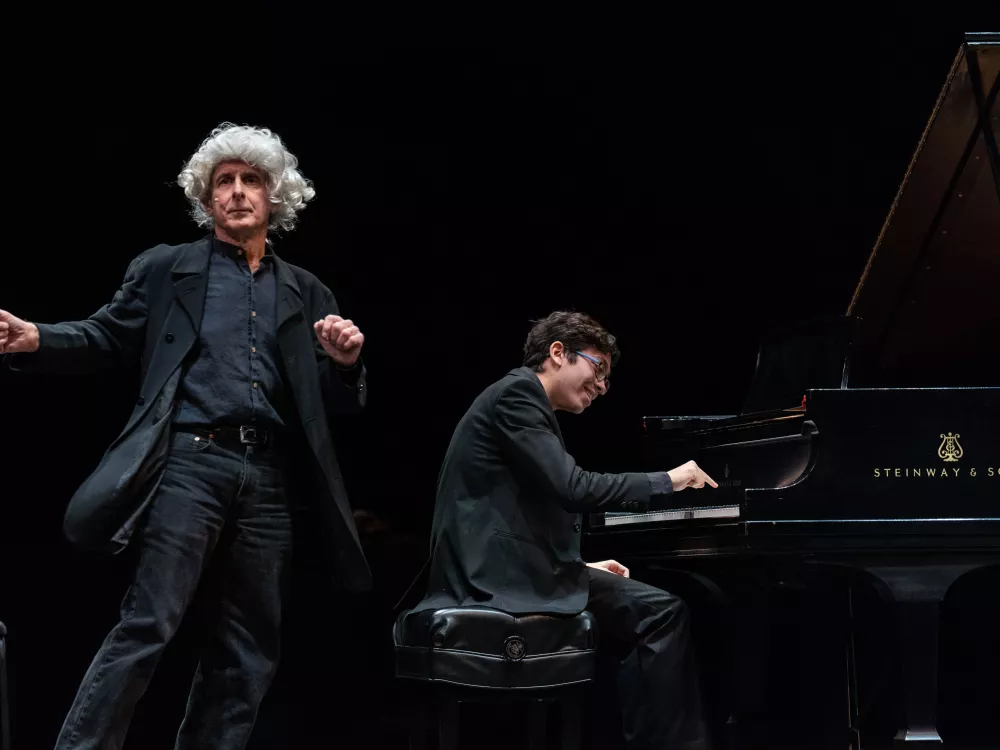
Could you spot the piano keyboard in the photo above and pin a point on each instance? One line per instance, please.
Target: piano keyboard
(678, 514)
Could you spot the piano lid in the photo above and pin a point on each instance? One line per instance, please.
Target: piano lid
(929, 296)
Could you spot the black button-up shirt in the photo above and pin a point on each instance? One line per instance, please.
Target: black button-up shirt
(232, 375)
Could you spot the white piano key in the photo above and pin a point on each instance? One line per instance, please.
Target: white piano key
(677, 514)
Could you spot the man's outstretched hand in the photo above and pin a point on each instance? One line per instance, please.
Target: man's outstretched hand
(690, 475)
(17, 335)
(340, 338)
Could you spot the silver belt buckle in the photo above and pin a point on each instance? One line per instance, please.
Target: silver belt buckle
(248, 435)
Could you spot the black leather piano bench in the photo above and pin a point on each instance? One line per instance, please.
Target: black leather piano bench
(4, 711)
(480, 655)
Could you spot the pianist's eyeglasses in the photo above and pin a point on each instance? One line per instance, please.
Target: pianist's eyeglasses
(602, 373)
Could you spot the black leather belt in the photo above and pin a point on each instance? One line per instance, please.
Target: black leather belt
(236, 435)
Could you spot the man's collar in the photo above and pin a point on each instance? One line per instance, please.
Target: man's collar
(235, 251)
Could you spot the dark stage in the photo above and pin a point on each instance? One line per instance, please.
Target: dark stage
(691, 190)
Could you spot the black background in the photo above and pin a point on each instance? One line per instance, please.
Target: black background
(691, 181)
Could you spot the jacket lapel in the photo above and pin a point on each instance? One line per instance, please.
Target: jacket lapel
(295, 342)
(289, 294)
(190, 277)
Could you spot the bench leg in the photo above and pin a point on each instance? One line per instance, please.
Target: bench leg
(538, 724)
(448, 723)
(572, 722)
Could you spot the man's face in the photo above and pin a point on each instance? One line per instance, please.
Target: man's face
(239, 201)
(577, 385)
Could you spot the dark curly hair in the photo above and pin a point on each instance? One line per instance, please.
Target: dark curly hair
(576, 330)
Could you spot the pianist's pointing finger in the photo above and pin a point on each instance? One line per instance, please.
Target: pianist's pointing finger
(711, 481)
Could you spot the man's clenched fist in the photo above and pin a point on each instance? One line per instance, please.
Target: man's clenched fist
(17, 335)
(340, 338)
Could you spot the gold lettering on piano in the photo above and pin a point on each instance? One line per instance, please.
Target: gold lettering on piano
(950, 449)
(929, 472)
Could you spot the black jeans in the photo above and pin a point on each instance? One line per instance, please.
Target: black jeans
(220, 511)
(648, 633)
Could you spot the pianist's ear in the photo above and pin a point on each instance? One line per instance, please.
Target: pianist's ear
(557, 353)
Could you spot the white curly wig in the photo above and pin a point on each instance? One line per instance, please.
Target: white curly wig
(288, 189)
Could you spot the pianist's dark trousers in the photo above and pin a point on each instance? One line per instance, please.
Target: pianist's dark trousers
(648, 632)
(220, 512)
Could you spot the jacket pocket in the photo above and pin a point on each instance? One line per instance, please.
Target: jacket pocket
(518, 537)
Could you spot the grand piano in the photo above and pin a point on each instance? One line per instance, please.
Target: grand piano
(871, 440)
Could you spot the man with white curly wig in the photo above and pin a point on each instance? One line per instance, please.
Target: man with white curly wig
(245, 361)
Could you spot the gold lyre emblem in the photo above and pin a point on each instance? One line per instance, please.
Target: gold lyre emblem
(950, 449)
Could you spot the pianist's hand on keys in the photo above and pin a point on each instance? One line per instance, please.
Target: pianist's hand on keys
(690, 475)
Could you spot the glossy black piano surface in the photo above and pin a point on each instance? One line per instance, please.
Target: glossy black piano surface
(872, 439)
(851, 456)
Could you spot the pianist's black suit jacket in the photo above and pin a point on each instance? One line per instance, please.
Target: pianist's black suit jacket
(506, 528)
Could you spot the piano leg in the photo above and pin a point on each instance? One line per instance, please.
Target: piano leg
(917, 627)
(917, 609)
(854, 736)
